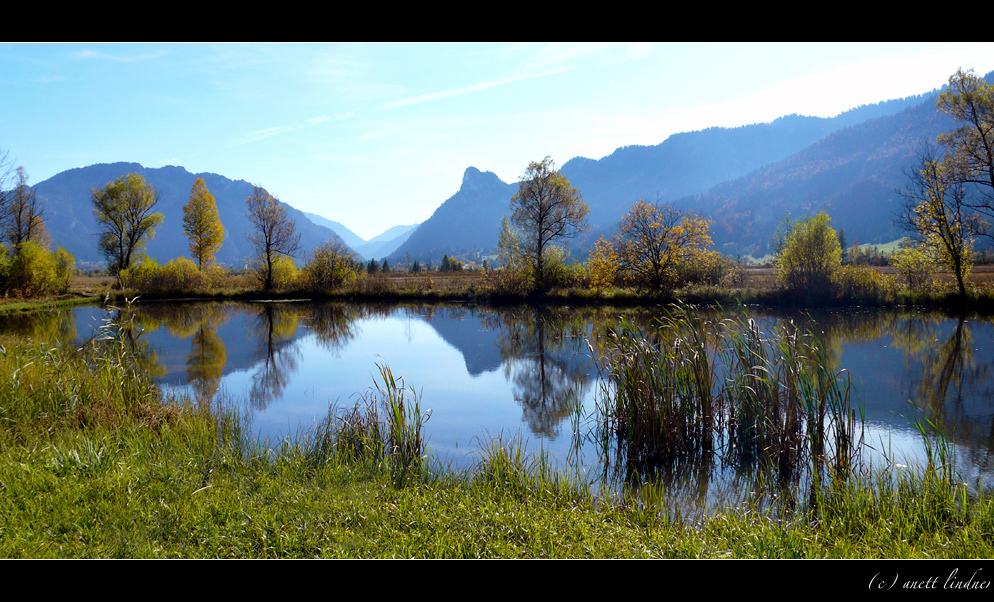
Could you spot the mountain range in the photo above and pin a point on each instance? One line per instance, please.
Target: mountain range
(745, 179)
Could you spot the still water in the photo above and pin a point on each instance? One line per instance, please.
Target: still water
(529, 372)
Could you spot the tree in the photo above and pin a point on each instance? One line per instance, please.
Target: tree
(6, 171)
(332, 266)
(654, 240)
(274, 234)
(124, 210)
(916, 263)
(970, 158)
(935, 210)
(808, 254)
(23, 215)
(202, 224)
(602, 266)
(546, 208)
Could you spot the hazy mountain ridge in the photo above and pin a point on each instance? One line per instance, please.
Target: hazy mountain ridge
(682, 166)
(854, 174)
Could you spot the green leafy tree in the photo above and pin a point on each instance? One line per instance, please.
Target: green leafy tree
(202, 224)
(807, 255)
(124, 210)
(274, 236)
(545, 210)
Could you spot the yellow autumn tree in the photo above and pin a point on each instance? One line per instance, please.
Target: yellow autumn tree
(602, 267)
(654, 240)
(202, 224)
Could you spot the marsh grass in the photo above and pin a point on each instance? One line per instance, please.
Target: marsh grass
(386, 426)
(697, 389)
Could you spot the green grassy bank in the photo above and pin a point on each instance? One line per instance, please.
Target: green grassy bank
(95, 463)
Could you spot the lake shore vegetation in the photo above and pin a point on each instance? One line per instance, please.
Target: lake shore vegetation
(98, 462)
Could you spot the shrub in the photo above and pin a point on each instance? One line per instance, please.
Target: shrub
(332, 266)
(916, 265)
(285, 273)
(179, 275)
(65, 270)
(704, 267)
(862, 283)
(602, 267)
(32, 271)
(808, 255)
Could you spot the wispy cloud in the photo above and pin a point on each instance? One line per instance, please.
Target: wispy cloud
(257, 135)
(468, 90)
(90, 54)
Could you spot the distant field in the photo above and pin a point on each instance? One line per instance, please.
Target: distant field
(756, 278)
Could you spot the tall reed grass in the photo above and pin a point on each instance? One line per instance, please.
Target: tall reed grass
(698, 388)
(385, 427)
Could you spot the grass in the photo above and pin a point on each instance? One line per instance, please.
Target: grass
(95, 462)
(699, 386)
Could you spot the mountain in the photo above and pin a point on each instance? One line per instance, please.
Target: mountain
(854, 174)
(467, 221)
(683, 165)
(69, 213)
(386, 243)
(379, 246)
(351, 238)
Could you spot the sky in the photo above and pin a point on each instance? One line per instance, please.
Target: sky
(376, 135)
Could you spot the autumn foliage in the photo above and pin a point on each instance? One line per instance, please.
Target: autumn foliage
(202, 224)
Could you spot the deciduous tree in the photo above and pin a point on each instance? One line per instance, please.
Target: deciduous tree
(653, 240)
(274, 233)
(546, 209)
(202, 224)
(124, 209)
(22, 219)
(936, 212)
(970, 158)
(808, 255)
(332, 266)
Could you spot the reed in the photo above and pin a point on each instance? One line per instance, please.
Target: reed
(697, 387)
(386, 426)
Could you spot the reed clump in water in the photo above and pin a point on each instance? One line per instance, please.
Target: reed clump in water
(386, 427)
(696, 388)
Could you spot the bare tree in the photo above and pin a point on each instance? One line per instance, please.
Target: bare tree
(23, 215)
(274, 235)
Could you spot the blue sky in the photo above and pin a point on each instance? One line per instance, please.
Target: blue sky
(376, 135)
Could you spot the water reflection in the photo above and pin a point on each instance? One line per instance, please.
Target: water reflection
(525, 370)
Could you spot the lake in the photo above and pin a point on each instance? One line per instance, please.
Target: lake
(527, 371)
